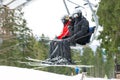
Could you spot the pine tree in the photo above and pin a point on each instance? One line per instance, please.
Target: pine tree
(109, 19)
(99, 64)
(18, 40)
(88, 59)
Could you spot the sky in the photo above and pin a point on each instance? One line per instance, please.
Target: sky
(44, 17)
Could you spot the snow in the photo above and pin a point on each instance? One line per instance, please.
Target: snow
(15, 73)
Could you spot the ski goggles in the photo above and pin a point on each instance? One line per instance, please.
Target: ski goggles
(75, 15)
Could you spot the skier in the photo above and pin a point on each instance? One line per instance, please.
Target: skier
(77, 70)
(60, 48)
(74, 30)
(81, 28)
(65, 32)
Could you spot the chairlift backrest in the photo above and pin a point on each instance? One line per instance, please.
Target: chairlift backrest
(94, 17)
(86, 38)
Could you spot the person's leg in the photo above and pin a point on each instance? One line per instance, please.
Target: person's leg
(66, 50)
(60, 49)
(52, 49)
(56, 49)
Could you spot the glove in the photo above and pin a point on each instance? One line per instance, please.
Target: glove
(72, 38)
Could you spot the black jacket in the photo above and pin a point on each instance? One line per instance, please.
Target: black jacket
(81, 28)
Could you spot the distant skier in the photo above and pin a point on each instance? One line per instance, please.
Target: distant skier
(77, 70)
(84, 73)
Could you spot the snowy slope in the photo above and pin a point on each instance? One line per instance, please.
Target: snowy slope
(15, 73)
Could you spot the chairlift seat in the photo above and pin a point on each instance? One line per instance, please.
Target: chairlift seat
(86, 38)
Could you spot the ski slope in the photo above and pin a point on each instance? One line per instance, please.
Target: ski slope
(15, 73)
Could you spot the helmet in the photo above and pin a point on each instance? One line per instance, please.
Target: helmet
(65, 18)
(77, 13)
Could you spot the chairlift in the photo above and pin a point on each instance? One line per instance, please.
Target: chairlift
(15, 4)
(94, 17)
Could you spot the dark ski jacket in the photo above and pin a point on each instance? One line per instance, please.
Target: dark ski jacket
(81, 28)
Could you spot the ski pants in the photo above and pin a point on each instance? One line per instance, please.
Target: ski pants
(60, 48)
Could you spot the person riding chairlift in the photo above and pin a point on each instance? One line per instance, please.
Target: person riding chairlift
(79, 27)
(60, 48)
(82, 32)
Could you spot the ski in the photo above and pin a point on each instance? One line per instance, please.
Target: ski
(32, 59)
(38, 64)
(47, 63)
(54, 61)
